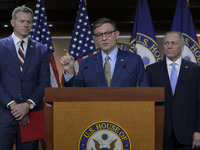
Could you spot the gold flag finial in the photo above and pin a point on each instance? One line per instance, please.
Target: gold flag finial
(21, 5)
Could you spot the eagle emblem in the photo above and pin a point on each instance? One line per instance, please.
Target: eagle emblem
(104, 135)
(112, 145)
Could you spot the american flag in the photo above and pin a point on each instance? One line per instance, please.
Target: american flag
(40, 32)
(82, 44)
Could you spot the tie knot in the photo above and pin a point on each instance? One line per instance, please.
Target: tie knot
(21, 44)
(173, 64)
(107, 58)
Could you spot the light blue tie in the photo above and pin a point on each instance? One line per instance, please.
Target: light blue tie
(173, 77)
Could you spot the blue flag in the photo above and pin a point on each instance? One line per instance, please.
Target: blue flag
(143, 40)
(82, 44)
(183, 23)
(40, 32)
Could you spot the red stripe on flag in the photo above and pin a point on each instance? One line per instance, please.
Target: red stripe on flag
(54, 68)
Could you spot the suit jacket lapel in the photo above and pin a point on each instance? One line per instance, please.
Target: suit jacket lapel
(14, 57)
(118, 67)
(165, 76)
(29, 54)
(99, 69)
(183, 70)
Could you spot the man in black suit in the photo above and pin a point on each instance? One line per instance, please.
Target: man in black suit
(182, 102)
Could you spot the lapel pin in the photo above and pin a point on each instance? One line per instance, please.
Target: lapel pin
(122, 59)
(186, 67)
(31, 46)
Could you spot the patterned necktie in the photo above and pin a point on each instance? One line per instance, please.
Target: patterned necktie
(21, 55)
(107, 70)
(173, 77)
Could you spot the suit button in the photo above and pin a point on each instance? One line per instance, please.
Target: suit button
(22, 81)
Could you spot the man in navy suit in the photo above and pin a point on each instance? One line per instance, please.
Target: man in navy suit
(22, 82)
(126, 69)
(182, 107)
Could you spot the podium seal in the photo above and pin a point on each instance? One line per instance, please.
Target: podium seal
(104, 135)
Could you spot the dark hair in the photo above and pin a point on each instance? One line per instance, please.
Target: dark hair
(21, 9)
(101, 21)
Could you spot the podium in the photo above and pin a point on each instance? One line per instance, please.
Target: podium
(138, 110)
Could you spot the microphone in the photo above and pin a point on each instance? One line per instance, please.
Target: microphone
(79, 74)
(124, 66)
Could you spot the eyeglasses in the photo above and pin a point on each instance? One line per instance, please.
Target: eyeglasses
(107, 34)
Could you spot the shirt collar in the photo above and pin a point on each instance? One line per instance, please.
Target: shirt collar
(177, 62)
(112, 55)
(17, 40)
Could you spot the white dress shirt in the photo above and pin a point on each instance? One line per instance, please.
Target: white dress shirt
(177, 65)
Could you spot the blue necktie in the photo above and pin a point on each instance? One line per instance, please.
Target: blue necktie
(173, 77)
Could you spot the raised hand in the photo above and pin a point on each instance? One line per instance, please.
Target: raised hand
(67, 62)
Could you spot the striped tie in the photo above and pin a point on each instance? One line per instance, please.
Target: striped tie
(21, 56)
(107, 70)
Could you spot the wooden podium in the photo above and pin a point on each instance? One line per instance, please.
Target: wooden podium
(78, 108)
